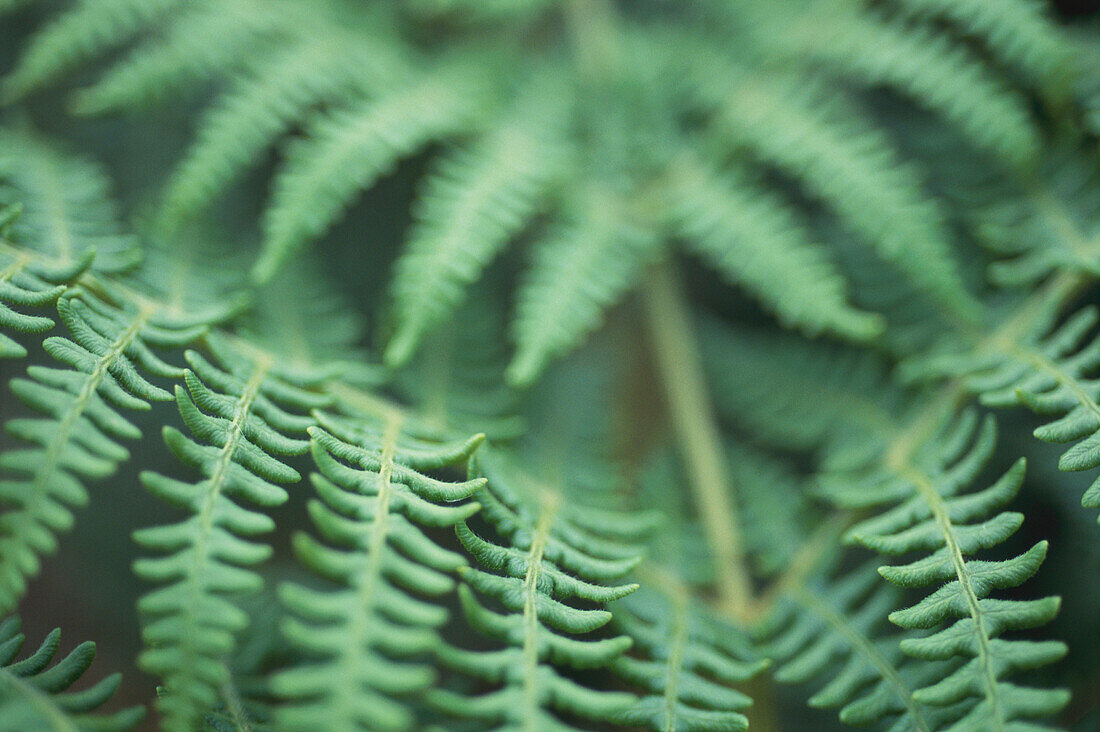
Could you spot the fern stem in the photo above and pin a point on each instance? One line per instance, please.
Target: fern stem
(680, 369)
(532, 702)
(591, 25)
(368, 580)
(675, 659)
(17, 266)
(233, 705)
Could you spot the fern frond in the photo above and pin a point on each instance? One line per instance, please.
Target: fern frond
(832, 630)
(594, 255)
(304, 317)
(367, 634)
(749, 236)
(263, 104)
(686, 660)
(794, 126)
(1048, 225)
(760, 382)
(914, 321)
(928, 67)
(241, 413)
(198, 44)
(1018, 33)
(1051, 371)
(774, 511)
(346, 150)
(68, 208)
(26, 280)
(78, 35)
(34, 694)
(471, 206)
(457, 380)
(105, 354)
(925, 510)
(550, 554)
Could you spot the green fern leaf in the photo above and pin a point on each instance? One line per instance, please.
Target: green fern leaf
(367, 633)
(792, 125)
(932, 69)
(1045, 226)
(456, 382)
(1052, 374)
(832, 630)
(685, 659)
(760, 383)
(68, 209)
(592, 258)
(106, 354)
(748, 235)
(926, 512)
(549, 556)
(238, 412)
(26, 280)
(475, 201)
(78, 35)
(1018, 33)
(199, 43)
(34, 695)
(346, 150)
(265, 103)
(775, 512)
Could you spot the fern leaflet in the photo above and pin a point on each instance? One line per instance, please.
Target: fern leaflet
(33, 694)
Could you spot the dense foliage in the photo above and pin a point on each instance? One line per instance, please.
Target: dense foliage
(549, 364)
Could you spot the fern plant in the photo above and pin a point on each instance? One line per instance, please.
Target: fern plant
(549, 364)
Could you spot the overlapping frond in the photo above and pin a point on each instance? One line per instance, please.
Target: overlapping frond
(926, 510)
(849, 42)
(106, 357)
(242, 412)
(587, 261)
(348, 149)
(831, 631)
(1051, 224)
(34, 690)
(474, 202)
(68, 207)
(1018, 33)
(456, 382)
(81, 33)
(760, 382)
(27, 281)
(799, 129)
(201, 41)
(374, 635)
(748, 234)
(1052, 371)
(773, 503)
(552, 556)
(686, 660)
(266, 101)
